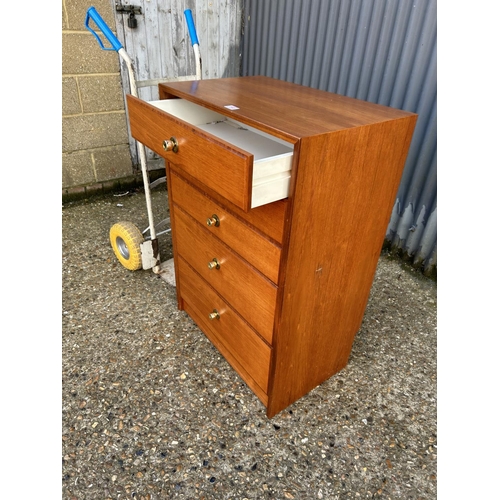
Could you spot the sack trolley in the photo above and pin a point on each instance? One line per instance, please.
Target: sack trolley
(136, 249)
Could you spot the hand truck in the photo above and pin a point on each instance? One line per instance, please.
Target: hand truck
(133, 248)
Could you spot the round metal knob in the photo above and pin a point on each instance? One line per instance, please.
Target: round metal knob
(214, 315)
(171, 145)
(214, 264)
(213, 221)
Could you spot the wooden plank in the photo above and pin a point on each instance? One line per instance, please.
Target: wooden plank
(348, 180)
(283, 109)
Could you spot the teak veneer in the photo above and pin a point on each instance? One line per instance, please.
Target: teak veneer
(286, 293)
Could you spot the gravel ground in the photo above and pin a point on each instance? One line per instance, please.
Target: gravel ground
(151, 410)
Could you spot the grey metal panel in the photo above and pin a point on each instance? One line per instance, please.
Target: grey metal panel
(381, 51)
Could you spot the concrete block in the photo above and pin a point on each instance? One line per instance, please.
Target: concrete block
(93, 131)
(77, 10)
(70, 98)
(113, 163)
(81, 55)
(64, 18)
(77, 169)
(101, 93)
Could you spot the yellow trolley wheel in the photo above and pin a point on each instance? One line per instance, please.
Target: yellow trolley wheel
(126, 238)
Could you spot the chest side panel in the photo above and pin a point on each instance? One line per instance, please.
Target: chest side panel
(344, 193)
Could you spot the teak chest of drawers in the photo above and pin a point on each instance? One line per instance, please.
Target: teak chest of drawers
(280, 196)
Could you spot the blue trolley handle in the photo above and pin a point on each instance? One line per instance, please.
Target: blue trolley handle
(191, 27)
(94, 15)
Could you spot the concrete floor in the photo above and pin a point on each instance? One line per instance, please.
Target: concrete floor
(151, 410)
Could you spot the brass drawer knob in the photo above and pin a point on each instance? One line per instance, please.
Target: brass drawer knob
(214, 264)
(213, 221)
(171, 145)
(214, 315)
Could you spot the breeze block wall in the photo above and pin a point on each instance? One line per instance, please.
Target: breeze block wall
(95, 147)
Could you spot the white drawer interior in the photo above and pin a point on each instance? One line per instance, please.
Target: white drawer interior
(272, 156)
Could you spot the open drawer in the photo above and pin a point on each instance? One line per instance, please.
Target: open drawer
(245, 165)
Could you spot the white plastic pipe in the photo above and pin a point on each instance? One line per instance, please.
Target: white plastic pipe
(197, 55)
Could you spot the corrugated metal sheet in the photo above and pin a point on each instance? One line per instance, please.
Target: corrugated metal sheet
(381, 51)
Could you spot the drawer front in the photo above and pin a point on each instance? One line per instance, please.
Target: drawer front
(228, 332)
(250, 293)
(221, 166)
(268, 219)
(253, 247)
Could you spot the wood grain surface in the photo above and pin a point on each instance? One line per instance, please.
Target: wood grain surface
(249, 292)
(243, 348)
(200, 154)
(283, 109)
(259, 251)
(349, 156)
